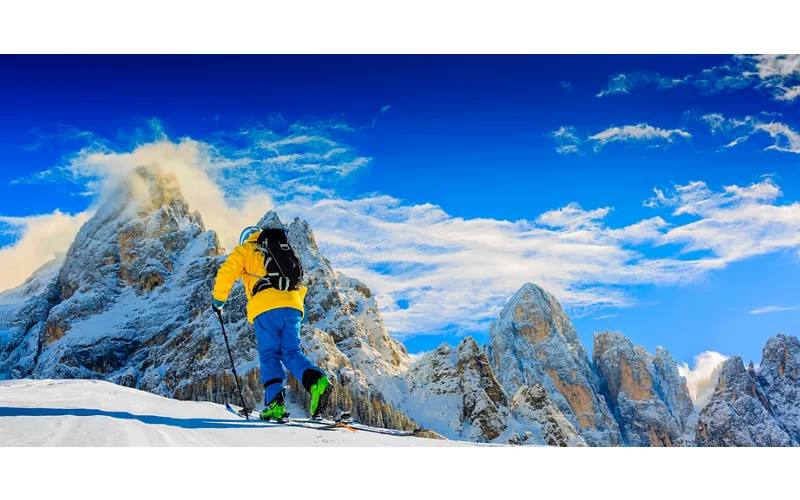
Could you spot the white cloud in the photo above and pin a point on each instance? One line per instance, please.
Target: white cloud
(624, 83)
(566, 85)
(734, 224)
(420, 254)
(573, 217)
(702, 379)
(568, 140)
(417, 356)
(233, 181)
(39, 239)
(447, 271)
(789, 93)
(606, 316)
(774, 309)
(640, 132)
(386, 108)
(785, 138)
(778, 75)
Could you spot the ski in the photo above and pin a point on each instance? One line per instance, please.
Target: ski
(307, 423)
(344, 421)
(376, 430)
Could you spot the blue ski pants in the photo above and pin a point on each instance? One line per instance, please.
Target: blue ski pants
(278, 335)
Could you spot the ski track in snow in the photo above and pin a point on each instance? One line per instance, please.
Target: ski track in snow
(97, 413)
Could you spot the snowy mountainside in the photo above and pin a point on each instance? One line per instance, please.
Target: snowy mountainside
(97, 413)
(455, 390)
(130, 303)
(779, 376)
(739, 413)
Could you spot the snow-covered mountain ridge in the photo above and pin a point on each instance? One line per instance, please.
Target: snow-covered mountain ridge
(129, 304)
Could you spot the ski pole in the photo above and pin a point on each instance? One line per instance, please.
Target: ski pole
(233, 365)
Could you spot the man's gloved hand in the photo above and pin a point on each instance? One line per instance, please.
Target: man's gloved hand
(217, 306)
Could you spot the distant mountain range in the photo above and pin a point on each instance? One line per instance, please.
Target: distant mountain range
(129, 303)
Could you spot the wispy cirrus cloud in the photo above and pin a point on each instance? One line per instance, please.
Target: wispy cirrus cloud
(640, 132)
(234, 176)
(418, 259)
(625, 83)
(733, 224)
(569, 141)
(774, 309)
(778, 75)
(607, 316)
(739, 130)
(416, 254)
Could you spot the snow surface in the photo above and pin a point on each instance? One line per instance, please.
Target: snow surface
(97, 413)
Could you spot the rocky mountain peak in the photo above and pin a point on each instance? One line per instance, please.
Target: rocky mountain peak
(156, 188)
(779, 375)
(534, 342)
(739, 412)
(456, 388)
(647, 394)
(271, 221)
(539, 314)
(533, 407)
(134, 238)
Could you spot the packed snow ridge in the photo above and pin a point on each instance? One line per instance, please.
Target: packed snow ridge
(129, 304)
(96, 413)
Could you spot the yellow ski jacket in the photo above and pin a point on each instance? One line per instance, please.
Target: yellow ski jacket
(247, 263)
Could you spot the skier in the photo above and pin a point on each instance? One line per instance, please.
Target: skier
(271, 272)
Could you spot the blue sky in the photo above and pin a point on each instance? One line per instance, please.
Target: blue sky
(654, 195)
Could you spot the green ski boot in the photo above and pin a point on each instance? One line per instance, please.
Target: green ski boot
(275, 410)
(320, 393)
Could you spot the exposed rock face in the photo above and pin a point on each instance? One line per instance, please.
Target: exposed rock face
(457, 387)
(534, 342)
(344, 307)
(739, 413)
(129, 303)
(649, 397)
(779, 375)
(23, 320)
(534, 408)
(109, 308)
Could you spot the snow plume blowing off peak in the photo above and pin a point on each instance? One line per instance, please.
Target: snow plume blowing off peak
(192, 164)
(702, 379)
(41, 238)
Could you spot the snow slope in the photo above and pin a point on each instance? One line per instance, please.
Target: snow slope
(97, 413)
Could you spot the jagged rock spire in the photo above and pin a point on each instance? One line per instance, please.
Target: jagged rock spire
(648, 395)
(534, 342)
(739, 412)
(779, 375)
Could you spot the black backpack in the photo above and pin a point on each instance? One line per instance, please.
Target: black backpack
(283, 266)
